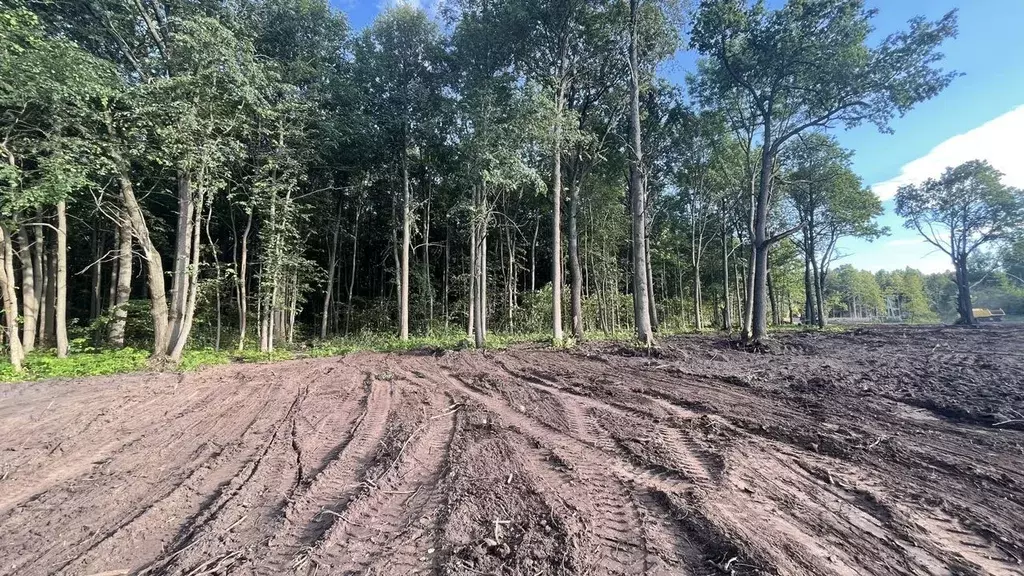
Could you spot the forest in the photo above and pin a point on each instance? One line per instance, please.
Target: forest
(252, 174)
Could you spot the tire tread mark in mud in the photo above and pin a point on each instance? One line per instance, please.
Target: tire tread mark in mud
(203, 521)
(384, 526)
(613, 513)
(312, 512)
(580, 411)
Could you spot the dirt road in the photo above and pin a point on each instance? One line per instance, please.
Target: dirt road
(883, 451)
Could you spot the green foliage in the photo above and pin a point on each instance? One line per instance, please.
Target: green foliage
(45, 364)
(808, 63)
(964, 209)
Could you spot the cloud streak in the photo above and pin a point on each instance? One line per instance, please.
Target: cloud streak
(998, 141)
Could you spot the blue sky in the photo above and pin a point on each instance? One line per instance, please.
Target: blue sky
(981, 115)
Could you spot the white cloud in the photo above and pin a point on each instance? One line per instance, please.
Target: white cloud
(998, 141)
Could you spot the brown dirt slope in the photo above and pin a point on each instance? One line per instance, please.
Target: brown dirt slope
(882, 451)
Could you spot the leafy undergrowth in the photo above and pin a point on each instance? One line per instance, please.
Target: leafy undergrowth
(87, 361)
(44, 364)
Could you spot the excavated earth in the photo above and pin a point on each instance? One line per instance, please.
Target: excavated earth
(887, 450)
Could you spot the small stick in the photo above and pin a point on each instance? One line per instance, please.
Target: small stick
(237, 522)
(1004, 422)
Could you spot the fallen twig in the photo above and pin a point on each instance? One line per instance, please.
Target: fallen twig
(237, 522)
(454, 408)
(1005, 422)
(337, 515)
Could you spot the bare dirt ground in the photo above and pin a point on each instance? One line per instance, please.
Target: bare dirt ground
(879, 451)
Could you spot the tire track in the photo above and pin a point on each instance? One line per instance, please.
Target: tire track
(606, 502)
(186, 466)
(391, 529)
(581, 412)
(314, 511)
(271, 472)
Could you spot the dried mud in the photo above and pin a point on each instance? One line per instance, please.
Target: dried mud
(884, 450)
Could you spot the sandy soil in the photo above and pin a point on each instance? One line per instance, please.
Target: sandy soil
(880, 451)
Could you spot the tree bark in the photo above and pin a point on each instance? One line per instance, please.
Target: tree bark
(154, 268)
(192, 279)
(352, 277)
(641, 304)
(182, 258)
(29, 300)
(727, 310)
(48, 338)
(403, 313)
(556, 227)
(96, 300)
(16, 353)
(243, 292)
(963, 285)
(652, 300)
(217, 287)
(576, 272)
(61, 299)
(819, 297)
(533, 255)
(123, 282)
(332, 263)
(810, 309)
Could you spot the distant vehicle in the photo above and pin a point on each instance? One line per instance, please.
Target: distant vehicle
(989, 315)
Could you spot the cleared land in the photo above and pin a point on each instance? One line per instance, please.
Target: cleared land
(879, 451)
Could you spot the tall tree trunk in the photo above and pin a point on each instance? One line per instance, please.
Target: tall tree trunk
(217, 286)
(154, 268)
(810, 309)
(748, 295)
(352, 276)
(761, 242)
(556, 228)
(727, 310)
(96, 300)
(641, 293)
(429, 284)
(10, 298)
(576, 273)
(61, 301)
(39, 272)
(698, 312)
(293, 306)
(652, 300)
(243, 292)
(533, 255)
(447, 258)
(963, 284)
(473, 270)
(403, 313)
(332, 263)
(123, 282)
(192, 280)
(182, 259)
(772, 300)
(47, 338)
(818, 294)
(29, 300)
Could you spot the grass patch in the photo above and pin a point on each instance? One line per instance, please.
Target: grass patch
(85, 361)
(45, 364)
